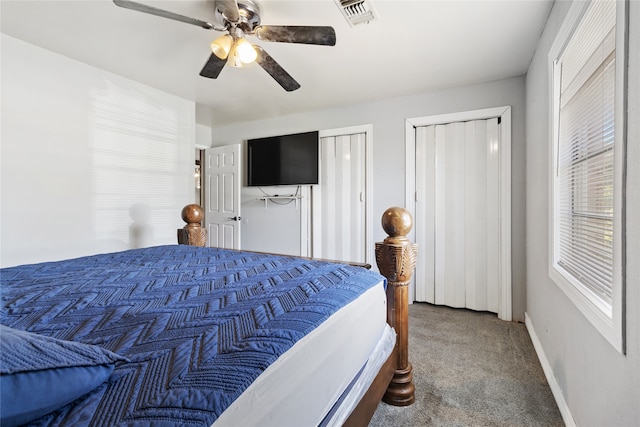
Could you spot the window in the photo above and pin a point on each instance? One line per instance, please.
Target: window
(588, 153)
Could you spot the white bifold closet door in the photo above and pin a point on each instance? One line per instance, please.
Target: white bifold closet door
(339, 200)
(457, 220)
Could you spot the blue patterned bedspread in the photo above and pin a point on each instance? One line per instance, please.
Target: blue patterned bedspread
(198, 324)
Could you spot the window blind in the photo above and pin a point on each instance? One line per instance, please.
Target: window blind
(585, 162)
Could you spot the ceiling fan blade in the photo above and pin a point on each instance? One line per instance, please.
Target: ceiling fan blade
(274, 69)
(325, 36)
(229, 8)
(213, 67)
(127, 4)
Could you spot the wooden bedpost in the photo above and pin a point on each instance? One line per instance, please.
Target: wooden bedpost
(396, 258)
(192, 234)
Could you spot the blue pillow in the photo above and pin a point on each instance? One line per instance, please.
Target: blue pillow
(39, 374)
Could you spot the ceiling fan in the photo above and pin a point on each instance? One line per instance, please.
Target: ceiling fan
(239, 18)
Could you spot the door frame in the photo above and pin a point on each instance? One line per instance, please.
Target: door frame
(368, 161)
(200, 150)
(504, 115)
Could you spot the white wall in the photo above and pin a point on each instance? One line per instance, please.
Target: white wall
(91, 162)
(275, 227)
(600, 386)
(280, 225)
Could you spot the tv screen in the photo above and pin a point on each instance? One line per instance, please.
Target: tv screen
(283, 160)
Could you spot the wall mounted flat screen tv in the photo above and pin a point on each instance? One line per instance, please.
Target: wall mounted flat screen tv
(283, 160)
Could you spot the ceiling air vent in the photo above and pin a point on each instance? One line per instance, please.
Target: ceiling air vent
(357, 11)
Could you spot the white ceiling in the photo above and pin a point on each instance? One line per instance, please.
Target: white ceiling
(413, 46)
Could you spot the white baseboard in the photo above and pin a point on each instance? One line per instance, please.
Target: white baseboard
(548, 373)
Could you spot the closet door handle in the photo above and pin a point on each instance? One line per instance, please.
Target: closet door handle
(235, 218)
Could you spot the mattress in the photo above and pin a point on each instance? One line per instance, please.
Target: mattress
(199, 329)
(301, 387)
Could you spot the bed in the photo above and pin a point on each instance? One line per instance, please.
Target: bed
(185, 335)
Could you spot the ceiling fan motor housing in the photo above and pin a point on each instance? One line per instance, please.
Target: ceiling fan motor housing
(249, 15)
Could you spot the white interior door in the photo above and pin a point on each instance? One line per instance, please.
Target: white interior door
(222, 199)
(458, 214)
(339, 203)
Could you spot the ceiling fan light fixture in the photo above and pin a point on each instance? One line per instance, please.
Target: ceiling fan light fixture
(245, 51)
(222, 46)
(234, 59)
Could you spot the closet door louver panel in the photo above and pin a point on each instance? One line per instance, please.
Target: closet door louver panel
(458, 214)
(341, 233)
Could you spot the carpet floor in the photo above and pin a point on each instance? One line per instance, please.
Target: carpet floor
(471, 369)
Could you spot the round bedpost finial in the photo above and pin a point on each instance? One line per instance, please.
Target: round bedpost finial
(192, 214)
(397, 223)
(193, 233)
